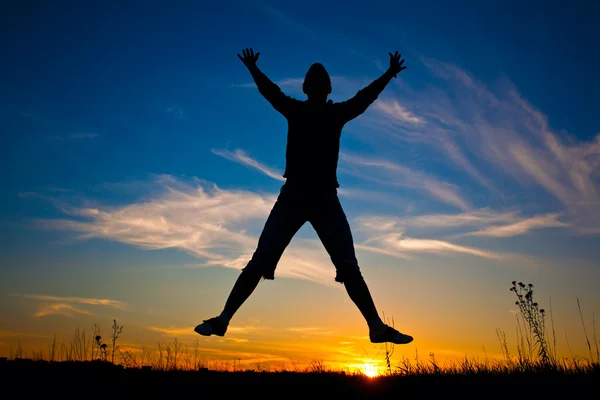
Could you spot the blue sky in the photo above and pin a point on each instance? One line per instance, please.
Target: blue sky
(134, 139)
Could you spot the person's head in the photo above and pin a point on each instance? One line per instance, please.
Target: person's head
(317, 83)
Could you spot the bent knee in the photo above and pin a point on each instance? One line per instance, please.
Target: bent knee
(263, 268)
(347, 271)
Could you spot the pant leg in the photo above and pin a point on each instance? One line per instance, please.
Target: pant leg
(330, 222)
(285, 219)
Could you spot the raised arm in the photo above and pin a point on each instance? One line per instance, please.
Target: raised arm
(266, 87)
(358, 104)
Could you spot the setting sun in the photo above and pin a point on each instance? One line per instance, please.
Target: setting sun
(370, 370)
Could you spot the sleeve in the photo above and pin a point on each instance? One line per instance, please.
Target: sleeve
(358, 104)
(270, 91)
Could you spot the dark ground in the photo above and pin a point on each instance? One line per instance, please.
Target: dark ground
(27, 378)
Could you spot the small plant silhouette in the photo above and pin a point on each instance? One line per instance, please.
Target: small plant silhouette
(534, 316)
(389, 349)
(101, 347)
(116, 332)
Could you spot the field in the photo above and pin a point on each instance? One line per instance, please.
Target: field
(103, 379)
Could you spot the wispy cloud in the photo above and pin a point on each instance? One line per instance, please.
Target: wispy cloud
(490, 133)
(187, 331)
(220, 227)
(522, 227)
(194, 218)
(236, 340)
(456, 154)
(208, 222)
(69, 306)
(388, 238)
(471, 218)
(396, 243)
(387, 172)
(240, 156)
(471, 223)
(493, 134)
(78, 300)
(242, 329)
(64, 309)
(303, 259)
(392, 109)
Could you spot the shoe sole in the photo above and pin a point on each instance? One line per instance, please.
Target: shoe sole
(407, 341)
(203, 334)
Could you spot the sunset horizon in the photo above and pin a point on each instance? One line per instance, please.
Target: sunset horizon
(141, 163)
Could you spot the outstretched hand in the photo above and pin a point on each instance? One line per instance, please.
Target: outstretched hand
(249, 58)
(396, 63)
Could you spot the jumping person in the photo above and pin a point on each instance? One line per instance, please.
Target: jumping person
(310, 192)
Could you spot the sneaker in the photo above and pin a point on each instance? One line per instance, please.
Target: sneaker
(213, 326)
(389, 334)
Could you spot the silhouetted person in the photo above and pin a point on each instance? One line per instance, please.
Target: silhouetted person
(310, 192)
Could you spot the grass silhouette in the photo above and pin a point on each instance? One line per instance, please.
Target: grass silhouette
(87, 356)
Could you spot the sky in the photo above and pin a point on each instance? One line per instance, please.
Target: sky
(139, 164)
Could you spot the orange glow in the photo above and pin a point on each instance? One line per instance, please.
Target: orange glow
(370, 370)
